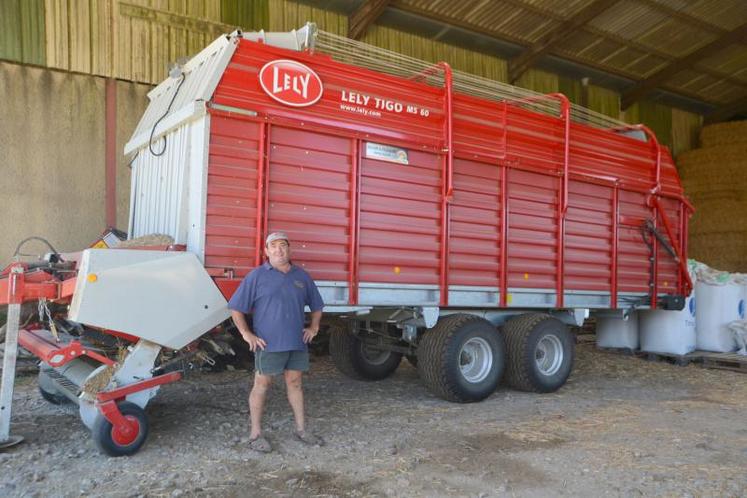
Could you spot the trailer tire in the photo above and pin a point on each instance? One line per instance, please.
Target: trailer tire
(540, 353)
(48, 391)
(462, 358)
(353, 358)
(113, 444)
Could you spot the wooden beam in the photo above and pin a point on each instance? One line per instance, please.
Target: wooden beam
(519, 65)
(364, 16)
(728, 111)
(643, 87)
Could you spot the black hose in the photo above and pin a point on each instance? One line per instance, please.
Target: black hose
(168, 109)
(27, 239)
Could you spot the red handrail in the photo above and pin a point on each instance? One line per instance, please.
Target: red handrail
(682, 263)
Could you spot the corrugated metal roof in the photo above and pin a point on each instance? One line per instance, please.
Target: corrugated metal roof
(628, 19)
(726, 14)
(631, 38)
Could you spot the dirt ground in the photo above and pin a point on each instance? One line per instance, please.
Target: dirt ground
(622, 426)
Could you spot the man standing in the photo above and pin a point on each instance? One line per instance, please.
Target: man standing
(276, 293)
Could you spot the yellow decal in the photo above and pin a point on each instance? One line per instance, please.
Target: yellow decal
(100, 245)
(526, 276)
(92, 277)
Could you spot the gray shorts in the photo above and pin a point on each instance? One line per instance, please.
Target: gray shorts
(274, 363)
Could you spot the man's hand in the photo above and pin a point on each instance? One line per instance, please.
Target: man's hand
(253, 341)
(309, 333)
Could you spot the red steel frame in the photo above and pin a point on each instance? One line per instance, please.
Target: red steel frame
(448, 187)
(565, 115)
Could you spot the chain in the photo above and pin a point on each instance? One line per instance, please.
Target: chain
(44, 313)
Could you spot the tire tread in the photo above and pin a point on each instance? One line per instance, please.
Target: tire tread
(516, 331)
(432, 355)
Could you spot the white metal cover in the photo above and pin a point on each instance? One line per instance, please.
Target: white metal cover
(168, 192)
(161, 296)
(201, 75)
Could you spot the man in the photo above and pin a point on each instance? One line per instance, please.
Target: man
(276, 293)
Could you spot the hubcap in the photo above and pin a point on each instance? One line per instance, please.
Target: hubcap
(549, 355)
(124, 436)
(374, 355)
(475, 359)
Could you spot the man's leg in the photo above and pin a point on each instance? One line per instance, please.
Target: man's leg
(257, 398)
(294, 387)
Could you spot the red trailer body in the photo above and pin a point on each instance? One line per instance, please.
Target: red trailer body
(487, 194)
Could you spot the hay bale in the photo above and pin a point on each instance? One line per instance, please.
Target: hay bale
(716, 135)
(726, 250)
(714, 212)
(715, 180)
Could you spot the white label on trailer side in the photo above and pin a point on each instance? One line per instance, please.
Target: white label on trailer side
(386, 153)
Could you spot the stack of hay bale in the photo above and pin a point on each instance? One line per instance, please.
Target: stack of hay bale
(715, 179)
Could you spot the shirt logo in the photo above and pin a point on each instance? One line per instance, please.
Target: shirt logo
(298, 284)
(290, 83)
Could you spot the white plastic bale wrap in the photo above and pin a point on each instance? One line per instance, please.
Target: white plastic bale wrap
(618, 333)
(721, 300)
(718, 306)
(670, 332)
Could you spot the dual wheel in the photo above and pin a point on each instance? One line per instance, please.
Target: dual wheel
(464, 357)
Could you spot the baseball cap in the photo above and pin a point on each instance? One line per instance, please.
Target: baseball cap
(276, 236)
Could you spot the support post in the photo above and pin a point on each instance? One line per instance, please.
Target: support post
(111, 152)
(9, 359)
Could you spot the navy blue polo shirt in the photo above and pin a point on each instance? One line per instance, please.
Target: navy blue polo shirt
(276, 301)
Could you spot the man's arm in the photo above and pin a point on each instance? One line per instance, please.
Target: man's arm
(313, 329)
(254, 342)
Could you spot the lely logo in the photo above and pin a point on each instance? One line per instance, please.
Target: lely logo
(691, 307)
(740, 309)
(290, 83)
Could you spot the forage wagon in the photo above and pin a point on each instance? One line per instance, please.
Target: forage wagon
(456, 221)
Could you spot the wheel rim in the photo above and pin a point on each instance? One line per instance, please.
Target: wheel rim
(548, 355)
(475, 360)
(123, 438)
(374, 355)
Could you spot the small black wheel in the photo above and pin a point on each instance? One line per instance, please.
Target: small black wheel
(540, 353)
(47, 388)
(54, 398)
(462, 358)
(115, 442)
(358, 360)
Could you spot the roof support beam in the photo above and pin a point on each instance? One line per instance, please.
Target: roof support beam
(728, 111)
(364, 16)
(643, 87)
(519, 65)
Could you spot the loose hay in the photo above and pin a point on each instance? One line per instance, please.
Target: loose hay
(155, 239)
(101, 381)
